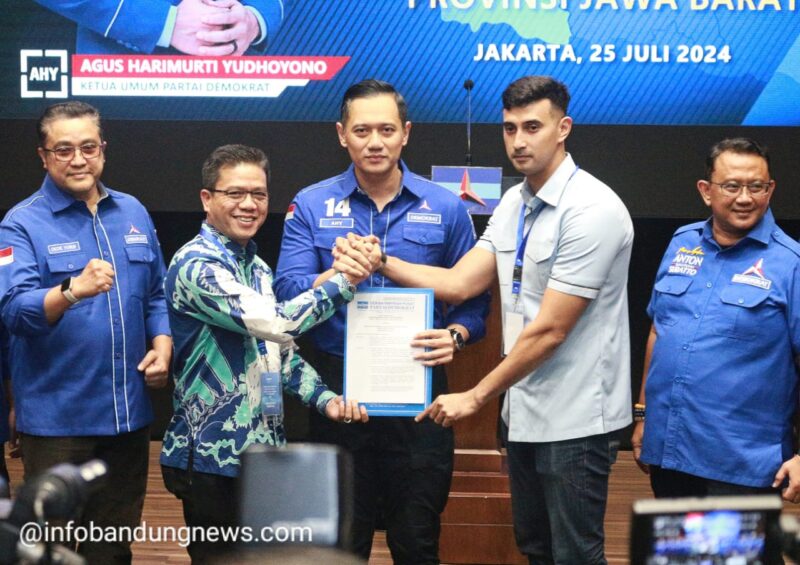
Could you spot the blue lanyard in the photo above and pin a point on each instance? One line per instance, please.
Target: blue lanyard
(522, 239)
(522, 242)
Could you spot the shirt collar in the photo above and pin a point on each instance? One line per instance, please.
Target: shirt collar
(248, 251)
(553, 189)
(761, 232)
(61, 199)
(409, 181)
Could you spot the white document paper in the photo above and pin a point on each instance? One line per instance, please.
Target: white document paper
(379, 361)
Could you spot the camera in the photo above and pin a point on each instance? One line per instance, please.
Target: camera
(59, 493)
(723, 530)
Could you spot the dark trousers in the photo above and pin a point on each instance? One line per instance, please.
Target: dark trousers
(667, 483)
(402, 471)
(119, 502)
(208, 500)
(558, 498)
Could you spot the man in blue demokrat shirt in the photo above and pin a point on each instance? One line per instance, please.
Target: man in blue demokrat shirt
(409, 465)
(81, 277)
(230, 332)
(721, 380)
(191, 27)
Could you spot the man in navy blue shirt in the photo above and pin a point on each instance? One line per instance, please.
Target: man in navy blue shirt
(721, 379)
(408, 465)
(81, 296)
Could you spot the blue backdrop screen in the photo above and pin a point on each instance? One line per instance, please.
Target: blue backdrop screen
(654, 62)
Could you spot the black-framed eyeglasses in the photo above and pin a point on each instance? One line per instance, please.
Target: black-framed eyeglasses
(733, 188)
(237, 195)
(66, 153)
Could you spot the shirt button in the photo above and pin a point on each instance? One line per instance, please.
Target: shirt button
(708, 285)
(70, 266)
(685, 347)
(696, 316)
(105, 253)
(118, 356)
(740, 301)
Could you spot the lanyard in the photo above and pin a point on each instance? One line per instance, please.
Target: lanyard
(522, 239)
(269, 389)
(522, 242)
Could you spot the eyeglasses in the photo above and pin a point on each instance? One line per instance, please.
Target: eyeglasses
(258, 196)
(756, 188)
(66, 153)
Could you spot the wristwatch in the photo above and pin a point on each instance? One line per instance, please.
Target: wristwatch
(66, 290)
(458, 339)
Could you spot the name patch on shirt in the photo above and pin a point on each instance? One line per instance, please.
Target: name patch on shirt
(754, 276)
(68, 247)
(752, 281)
(687, 262)
(421, 218)
(337, 222)
(136, 238)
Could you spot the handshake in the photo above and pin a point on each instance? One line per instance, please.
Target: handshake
(357, 257)
(214, 28)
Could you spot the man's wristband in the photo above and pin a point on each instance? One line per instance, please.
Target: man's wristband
(384, 258)
(66, 290)
(348, 284)
(458, 339)
(638, 412)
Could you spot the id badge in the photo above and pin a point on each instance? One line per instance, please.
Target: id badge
(271, 394)
(513, 324)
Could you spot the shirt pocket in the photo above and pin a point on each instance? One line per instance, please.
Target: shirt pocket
(742, 311)
(423, 245)
(504, 249)
(670, 301)
(540, 255)
(68, 265)
(140, 259)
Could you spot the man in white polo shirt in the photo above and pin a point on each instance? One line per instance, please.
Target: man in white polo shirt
(560, 244)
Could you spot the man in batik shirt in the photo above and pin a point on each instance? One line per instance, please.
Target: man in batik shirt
(233, 346)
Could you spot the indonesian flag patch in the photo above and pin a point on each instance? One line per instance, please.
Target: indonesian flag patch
(6, 256)
(290, 212)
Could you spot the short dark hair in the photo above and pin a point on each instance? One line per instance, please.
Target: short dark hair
(230, 156)
(530, 89)
(741, 145)
(372, 87)
(66, 111)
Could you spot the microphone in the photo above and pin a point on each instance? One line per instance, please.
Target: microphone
(468, 84)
